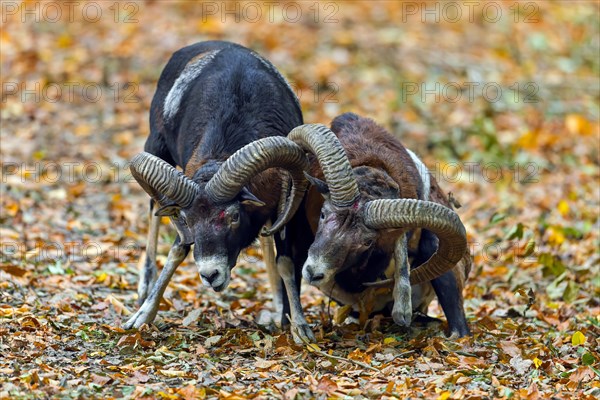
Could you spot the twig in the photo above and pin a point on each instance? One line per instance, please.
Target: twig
(404, 353)
(329, 304)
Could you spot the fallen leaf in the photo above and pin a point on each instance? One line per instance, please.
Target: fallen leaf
(120, 308)
(264, 364)
(192, 317)
(100, 379)
(211, 341)
(578, 338)
(520, 365)
(171, 373)
(327, 385)
(13, 270)
(135, 339)
(389, 340)
(312, 347)
(510, 348)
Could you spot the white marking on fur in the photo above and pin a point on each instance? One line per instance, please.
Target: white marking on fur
(191, 71)
(208, 265)
(319, 266)
(274, 70)
(423, 172)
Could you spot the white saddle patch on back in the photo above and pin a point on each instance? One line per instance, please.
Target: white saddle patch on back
(423, 172)
(191, 71)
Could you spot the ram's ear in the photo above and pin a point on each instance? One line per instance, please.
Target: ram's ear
(168, 210)
(317, 183)
(248, 199)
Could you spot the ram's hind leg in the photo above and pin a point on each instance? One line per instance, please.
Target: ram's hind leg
(148, 270)
(450, 297)
(446, 288)
(267, 245)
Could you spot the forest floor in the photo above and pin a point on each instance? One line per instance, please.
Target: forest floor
(503, 108)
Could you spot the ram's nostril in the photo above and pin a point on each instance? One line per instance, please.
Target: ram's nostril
(211, 276)
(317, 277)
(308, 272)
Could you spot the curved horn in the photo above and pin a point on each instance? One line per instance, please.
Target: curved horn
(336, 167)
(252, 159)
(411, 213)
(159, 178)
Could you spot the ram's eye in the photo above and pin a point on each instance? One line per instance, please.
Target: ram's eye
(235, 216)
(368, 243)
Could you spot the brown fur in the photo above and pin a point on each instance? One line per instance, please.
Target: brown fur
(194, 164)
(369, 144)
(267, 187)
(386, 168)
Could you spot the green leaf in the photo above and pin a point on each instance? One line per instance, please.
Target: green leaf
(552, 265)
(530, 248)
(82, 335)
(497, 217)
(56, 269)
(571, 292)
(127, 390)
(588, 359)
(516, 232)
(508, 393)
(538, 41)
(556, 289)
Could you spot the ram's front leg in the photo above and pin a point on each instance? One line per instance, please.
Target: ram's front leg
(148, 271)
(402, 311)
(148, 310)
(301, 331)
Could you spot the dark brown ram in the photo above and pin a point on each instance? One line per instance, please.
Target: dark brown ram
(376, 198)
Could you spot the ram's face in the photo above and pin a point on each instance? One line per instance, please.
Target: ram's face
(220, 233)
(342, 242)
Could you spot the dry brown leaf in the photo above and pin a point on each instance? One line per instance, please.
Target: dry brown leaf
(13, 270)
(327, 385)
(135, 339)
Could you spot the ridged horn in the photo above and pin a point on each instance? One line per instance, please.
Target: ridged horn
(322, 142)
(158, 178)
(411, 213)
(252, 159)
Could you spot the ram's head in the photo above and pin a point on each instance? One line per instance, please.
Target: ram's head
(215, 210)
(351, 225)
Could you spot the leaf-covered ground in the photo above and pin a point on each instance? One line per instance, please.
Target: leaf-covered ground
(518, 148)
